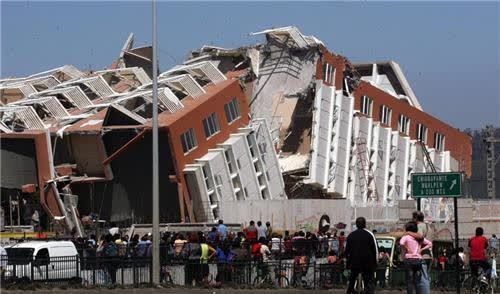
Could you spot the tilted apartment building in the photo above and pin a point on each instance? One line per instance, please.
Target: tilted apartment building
(281, 119)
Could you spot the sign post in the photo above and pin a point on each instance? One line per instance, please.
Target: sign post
(440, 185)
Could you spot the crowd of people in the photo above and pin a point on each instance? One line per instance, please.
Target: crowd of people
(260, 245)
(257, 243)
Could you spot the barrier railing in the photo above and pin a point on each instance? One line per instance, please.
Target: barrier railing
(313, 273)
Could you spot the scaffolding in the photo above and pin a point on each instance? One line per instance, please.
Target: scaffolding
(365, 173)
(491, 160)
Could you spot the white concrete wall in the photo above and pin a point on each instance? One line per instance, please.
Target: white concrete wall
(322, 127)
(198, 192)
(238, 145)
(258, 165)
(269, 160)
(243, 182)
(220, 174)
(393, 155)
(342, 144)
(353, 192)
(304, 214)
(402, 167)
(382, 165)
(363, 161)
(292, 214)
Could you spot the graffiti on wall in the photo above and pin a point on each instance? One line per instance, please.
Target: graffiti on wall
(318, 222)
(308, 224)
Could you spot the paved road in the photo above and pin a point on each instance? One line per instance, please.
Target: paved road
(193, 291)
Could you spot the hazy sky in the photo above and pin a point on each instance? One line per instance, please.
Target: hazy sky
(448, 50)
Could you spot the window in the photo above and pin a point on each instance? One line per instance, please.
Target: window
(404, 124)
(211, 125)
(188, 140)
(42, 257)
(366, 105)
(385, 115)
(439, 142)
(232, 110)
(229, 160)
(206, 174)
(422, 133)
(251, 147)
(328, 73)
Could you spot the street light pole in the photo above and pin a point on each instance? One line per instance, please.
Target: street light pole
(156, 204)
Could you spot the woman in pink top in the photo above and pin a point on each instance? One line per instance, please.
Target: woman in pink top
(417, 279)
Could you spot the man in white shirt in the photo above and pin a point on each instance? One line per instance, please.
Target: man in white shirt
(261, 231)
(276, 245)
(493, 244)
(264, 251)
(114, 229)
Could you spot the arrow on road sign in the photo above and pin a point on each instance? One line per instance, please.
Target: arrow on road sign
(453, 183)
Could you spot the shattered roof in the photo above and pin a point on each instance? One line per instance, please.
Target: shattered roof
(205, 68)
(399, 85)
(291, 36)
(15, 117)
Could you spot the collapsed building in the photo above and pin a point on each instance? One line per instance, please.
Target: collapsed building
(284, 119)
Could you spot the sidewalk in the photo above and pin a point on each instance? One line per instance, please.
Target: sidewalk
(195, 291)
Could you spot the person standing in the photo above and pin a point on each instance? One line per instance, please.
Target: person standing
(192, 268)
(213, 236)
(417, 281)
(361, 253)
(341, 242)
(269, 232)
(179, 243)
(333, 242)
(222, 230)
(442, 260)
(251, 232)
(423, 229)
(493, 244)
(478, 245)
(276, 245)
(207, 253)
(114, 229)
(383, 262)
(261, 230)
(110, 253)
(461, 255)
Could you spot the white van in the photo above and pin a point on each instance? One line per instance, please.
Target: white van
(43, 260)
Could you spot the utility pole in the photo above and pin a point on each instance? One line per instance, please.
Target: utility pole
(156, 200)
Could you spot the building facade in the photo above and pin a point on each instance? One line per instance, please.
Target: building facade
(282, 119)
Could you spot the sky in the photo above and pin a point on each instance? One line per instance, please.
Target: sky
(449, 51)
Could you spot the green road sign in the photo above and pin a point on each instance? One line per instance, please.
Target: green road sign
(436, 185)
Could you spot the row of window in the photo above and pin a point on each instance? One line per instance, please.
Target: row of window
(211, 125)
(403, 123)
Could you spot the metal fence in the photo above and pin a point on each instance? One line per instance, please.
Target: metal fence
(76, 270)
(133, 272)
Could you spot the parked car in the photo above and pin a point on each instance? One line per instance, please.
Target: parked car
(42, 261)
